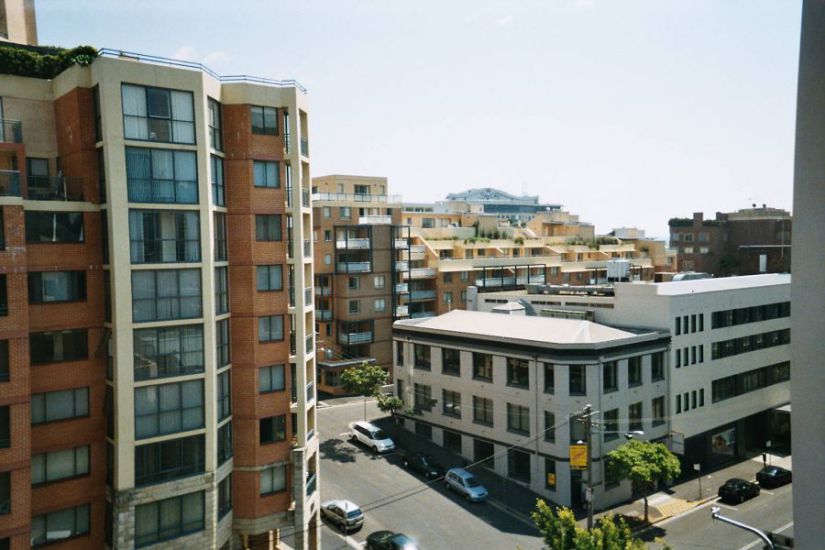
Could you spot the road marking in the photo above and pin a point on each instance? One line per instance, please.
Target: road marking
(757, 542)
(351, 542)
(685, 513)
(764, 492)
(510, 513)
(719, 504)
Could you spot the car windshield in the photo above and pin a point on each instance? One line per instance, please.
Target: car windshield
(470, 481)
(379, 435)
(353, 513)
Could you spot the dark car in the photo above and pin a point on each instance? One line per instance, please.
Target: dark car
(738, 490)
(773, 476)
(424, 464)
(387, 540)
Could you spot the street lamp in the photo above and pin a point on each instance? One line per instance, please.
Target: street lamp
(589, 425)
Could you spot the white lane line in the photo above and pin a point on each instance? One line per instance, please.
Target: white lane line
(764, 492)
(725, 506)
(686, 513)
(351, 542)
(510, 513)
(786, 526)
(757, 542)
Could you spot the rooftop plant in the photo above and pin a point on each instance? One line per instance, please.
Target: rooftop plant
(43, 62)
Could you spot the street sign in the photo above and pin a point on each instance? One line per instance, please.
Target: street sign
(588, 494)
(551, 480)
(676, 443)
(697, 467)
(578, 457)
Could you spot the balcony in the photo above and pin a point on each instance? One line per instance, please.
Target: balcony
(421, 314)
(312, 480)
(400, 243)
(374, 220)
(307, 249)
(304, 147)
(310, 392)
(309, 344)
(323, 291)
(402, 266)
(362, 243)
(354, 267)
(422, 273)
(402, 288)
(402, 311)
(343, 197)
(355, 337)
(156, 251)
(417, 295)
(11, 131)
(9, 183)
(323, 314)
(54, 188)
(305, 201)
(418, 248)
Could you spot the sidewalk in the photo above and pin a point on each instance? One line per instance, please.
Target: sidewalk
(685, 496)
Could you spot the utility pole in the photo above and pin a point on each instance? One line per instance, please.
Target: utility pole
(588, 440)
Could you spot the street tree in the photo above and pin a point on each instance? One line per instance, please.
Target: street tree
(645, 464)
(364, 380)
(390, 404)
(560, 531)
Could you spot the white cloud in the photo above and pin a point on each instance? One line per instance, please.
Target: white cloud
(505, 20)
(185, 53)
(583, 4)
(188, 53)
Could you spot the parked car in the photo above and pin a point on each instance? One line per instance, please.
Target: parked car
(372, 436)
(738, 490)
(345, 515)
(424, 464)
(465, 484)
(387, 540)
(773, 476)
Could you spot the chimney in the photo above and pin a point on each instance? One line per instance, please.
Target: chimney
(698, 217)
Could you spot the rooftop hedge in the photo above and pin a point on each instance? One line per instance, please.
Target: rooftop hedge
(43, 62)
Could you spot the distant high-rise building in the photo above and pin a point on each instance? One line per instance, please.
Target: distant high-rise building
(17, 22)
(157, 367)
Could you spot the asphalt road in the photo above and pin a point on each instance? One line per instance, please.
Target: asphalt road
(395, 499)
(772, 510)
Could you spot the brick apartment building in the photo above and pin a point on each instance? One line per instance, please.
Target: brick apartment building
(746, 242)
(145, 388)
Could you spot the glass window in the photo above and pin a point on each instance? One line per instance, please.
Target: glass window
(658, 406)
(354, 306)
(221, 290)
(378, 281)
(634, 371)
(379, 305)
(578, 380)
(222, 342)
(451, 401)
(422, 397)
(225, 497)
(159, 295)
(55, 347)
(271, 379)
(518, 465)
(549, 378)
(215, 124)
(61, 464)
(169, 518)
(549, 426)
(399, 351)
(264, 120)
(4, 360)
(270, 277)
(159, 236)
(161, 175)
(611, 424)
(220, 236)
(518, 419)
(168, 351)
(60, 524)
(451, 361)
(272, 429)
(422, 356)
(483, 366)
(635, 416)
(610, 377)
(268, 227)
(54, 227)
(59, 405)
(518, 372)
(224, 443)
(170, 459)
(217, 179)
(271, 328)
(550, 474)
(224, 390)
(483, 411)
(158, 114)
(265, 173)
(57, 286)
(452, 441)
(448, 297)
(273, 479)
(168, 408)
(657, 366)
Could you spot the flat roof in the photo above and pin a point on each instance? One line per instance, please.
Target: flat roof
(716, 284)
(543, 330)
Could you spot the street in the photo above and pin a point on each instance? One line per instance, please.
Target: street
(770, 511)
(395, 499)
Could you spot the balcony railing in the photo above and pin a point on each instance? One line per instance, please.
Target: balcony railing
(420, 314)
(307, 296)
(374, 220)
(307, 249)
(422, 295)
(304, 146)
(312, 480)
(155, 251)
(402, 288)
(353, 267)
(418, 248)
(310, 392)
(338, 197)
(402, 266)
(402, 311)
(305, 198)
(323, 314)
(323, 291)
(353, 244)
(355, 337)
(54, 188)
(9, 183)
(400, 243)
(422, 273)
(309, 344)
(11, 131)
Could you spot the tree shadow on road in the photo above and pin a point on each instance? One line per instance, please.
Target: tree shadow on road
(337, 450)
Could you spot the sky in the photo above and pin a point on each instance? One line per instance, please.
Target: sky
(627, 112)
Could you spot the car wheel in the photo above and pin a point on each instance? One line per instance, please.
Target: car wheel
(447, 486)
(741, 499)
(375, 449)
(406, 464)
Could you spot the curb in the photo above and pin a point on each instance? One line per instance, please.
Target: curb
(694, 504)
(514, 513)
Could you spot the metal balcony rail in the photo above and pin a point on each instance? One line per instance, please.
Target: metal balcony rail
(287, 140)
(402, 288)
(308, 296)
(305, 198)
(310, 391)
(309, 344)
(375, 220)
(193, 65)
(323, 291)
(288, 194)
(356, 197)
(311, 481)
(353, 244)
(422, 295)
(353, 267)
(323, 314)
(400, 243)
(9, 183)
(418, 248)
(355, 337)
(156, 251)
(402, 311)
(304, 146)
(422, 272)
(11, 131)
(402, 266)
(307, 248)
(420, 314)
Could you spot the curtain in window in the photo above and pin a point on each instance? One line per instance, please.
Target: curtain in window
(192, 403)
(186, 176)
(143, 296)
(183, 115)
(139, 174)
(59, 405)
(259, 172)
(163, 176)
(136, 237)
(134, 112)
(193, 512)
(190, 293)
(189, 231)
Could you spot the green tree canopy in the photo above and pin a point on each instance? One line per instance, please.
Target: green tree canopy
(364, 380)
(644, 463)
(560, 531)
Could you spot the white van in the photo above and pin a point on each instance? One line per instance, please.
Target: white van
(372, 436)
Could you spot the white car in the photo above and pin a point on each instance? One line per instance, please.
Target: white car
(345, 515)
(372, 436)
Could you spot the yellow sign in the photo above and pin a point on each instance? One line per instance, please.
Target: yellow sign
(578, 457)
(551, 480)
